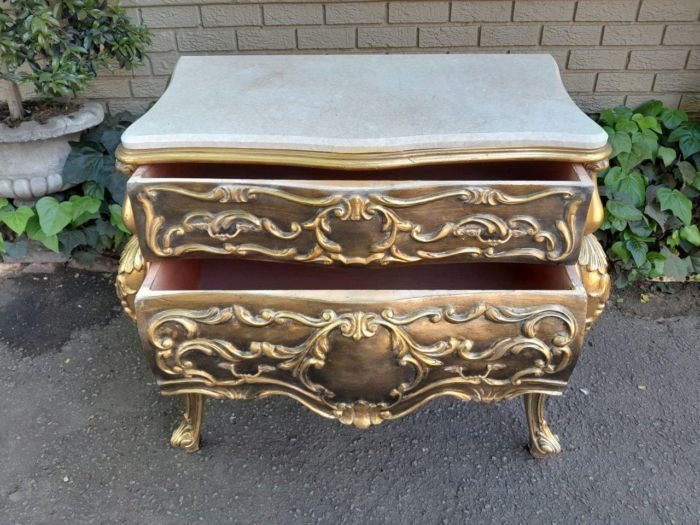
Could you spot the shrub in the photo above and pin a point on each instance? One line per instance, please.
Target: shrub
(651, 193)
(63, 44)
(85, 220)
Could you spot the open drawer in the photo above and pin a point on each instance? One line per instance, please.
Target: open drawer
(361, 344)
(505, 211)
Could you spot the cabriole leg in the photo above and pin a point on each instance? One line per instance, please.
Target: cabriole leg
(542, 441)
(186, 435)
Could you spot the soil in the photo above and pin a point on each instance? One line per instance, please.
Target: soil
(657, 300)
(38, 111)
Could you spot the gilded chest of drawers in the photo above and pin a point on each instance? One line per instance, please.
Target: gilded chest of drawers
(364, 234)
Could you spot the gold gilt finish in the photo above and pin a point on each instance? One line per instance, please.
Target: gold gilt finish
(354, 160)
(472, 345)
(186, 435)
(592, 263)
(593, 268)
(543, 441)
(428, 223)
(473, 349)
(595, 212)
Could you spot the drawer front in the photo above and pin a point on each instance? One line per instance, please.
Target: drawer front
(361, 222)
(359, 360)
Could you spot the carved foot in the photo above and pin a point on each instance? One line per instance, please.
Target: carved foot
(542, 441)
(186, 435)
(593, 269)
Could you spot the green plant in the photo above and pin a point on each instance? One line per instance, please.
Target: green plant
(651, 193)
(85, 220)
(64, 43)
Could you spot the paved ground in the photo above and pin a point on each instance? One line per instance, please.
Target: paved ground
(83, 433)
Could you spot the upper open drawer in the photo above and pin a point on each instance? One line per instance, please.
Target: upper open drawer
(518, 211)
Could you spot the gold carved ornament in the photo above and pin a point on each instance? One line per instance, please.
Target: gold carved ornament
(356, 160)
(284, 370)
(488, 229)
(132, 266)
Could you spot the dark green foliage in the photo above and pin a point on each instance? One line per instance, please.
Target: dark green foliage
(82, 221)
(65, 43)
(651, 193)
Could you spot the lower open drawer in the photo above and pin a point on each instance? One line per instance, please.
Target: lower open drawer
(361, 345)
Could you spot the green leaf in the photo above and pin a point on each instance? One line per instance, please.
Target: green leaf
(641, 228)
(676, 203)
(53, 215)
(653, 211)
(35, 233)
(674, 266)
(691, 234)
(657, 264)
(674, 239)
(688, 137)
(695, 262)
(620, 142)
(652, 108)
(17, 220)
(3, 202)
(626, 125)
(647, 122)
(631, 184)
(687, 171)
(86, 257)
(672, 118)
(623, 211)
(92, 189)
(71, 239)
(638, 249)
(85, 162)
(115, 182)
(2, 244)
(696, 181)
(607, 117)
(643, 148)
(115, 217)
(668, 155)
(84, 209)
(618, 248)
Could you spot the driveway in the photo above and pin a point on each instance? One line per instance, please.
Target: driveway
(84, 433)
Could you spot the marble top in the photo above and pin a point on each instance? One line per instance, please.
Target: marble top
(365, 104)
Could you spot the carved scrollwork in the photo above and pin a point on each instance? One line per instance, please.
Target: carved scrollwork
(490, 231)
(130, 275)
(124, 167)
(190, 361)
(593, 268)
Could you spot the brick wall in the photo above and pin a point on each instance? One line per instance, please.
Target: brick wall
(610, 52)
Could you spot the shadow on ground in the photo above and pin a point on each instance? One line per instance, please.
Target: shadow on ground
(84, 434)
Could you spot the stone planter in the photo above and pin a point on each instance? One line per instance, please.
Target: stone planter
(32, 155)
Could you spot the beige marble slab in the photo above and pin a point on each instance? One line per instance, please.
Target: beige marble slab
(365, 104)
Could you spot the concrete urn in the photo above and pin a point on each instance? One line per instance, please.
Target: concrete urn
(32, 154)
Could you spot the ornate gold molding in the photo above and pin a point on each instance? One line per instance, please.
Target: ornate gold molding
(356, 160)
(543, 442)
(130, 275)
(193, 363)
(593, 269)
(595, 211)
(489, 230)
(124, 167)
(186, 435)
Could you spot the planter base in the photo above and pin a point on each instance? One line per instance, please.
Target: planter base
(33, 154)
